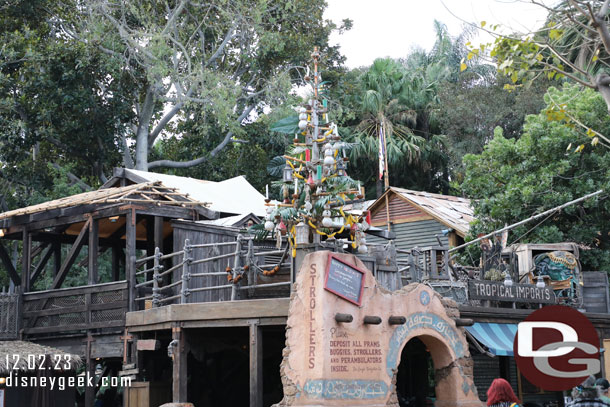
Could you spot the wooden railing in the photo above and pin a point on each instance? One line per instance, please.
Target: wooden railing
(75, 309)
(9, 316)
(248, 268)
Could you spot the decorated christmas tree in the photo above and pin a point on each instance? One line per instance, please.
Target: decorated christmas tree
(315, 186)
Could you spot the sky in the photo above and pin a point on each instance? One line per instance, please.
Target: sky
(393, 27)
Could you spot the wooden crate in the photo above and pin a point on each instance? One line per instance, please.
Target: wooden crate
(147, 394)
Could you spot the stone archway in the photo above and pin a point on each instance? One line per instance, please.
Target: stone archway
(342, 353)
(450, 373)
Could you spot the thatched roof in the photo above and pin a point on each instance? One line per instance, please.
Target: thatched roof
(23, 349)
(148, 192)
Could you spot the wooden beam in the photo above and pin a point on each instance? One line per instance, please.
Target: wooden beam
(93, 251)
(38, 249)
(387, 211)
(8, 265)
(130, 258)
(26, 260)
(256, 365)
(150, 242)
(179, 374)
(74, 250)
(158, 235)
(41, 266)
(90, 370)
(56, 258)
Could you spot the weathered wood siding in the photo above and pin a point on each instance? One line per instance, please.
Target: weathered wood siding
(595, 291)
(400, 211)
(200, 234)
(415, 234)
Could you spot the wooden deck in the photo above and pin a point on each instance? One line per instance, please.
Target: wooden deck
(211, 314)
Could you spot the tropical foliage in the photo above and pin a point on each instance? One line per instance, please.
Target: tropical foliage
(513, 179)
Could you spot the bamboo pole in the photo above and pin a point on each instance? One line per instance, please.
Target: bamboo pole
(540, 215)
(386, 177)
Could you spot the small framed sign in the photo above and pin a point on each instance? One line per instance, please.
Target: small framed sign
(344, 280)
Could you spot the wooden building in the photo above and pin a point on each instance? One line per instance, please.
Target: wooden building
(421, 219)
(192, 308)
(76, 276)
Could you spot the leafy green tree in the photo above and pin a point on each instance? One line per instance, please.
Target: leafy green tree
(513, 179)
(227, 61)
(60, 104)
(574, 45)
(470, 110)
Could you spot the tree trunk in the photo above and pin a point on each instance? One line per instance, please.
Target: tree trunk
(144, 119)
(142, 148)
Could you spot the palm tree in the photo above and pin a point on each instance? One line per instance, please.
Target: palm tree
(402, 96)
(381, 104)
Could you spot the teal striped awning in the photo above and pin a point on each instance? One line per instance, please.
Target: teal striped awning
(498, 338)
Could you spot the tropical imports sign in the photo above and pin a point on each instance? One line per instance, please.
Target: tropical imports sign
(497, 291)
(344, 280)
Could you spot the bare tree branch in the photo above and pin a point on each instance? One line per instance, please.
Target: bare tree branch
(213, 153)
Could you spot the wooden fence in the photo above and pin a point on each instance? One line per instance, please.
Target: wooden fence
(9, 316)
(74, 309)
(251, 272)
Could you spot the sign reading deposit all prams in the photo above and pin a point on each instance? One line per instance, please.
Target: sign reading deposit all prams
(491, 290)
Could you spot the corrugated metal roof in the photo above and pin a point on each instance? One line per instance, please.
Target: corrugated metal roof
(234, 195)
(228, 221)
(452, 211)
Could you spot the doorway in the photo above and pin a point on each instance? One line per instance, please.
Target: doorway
(415, 376)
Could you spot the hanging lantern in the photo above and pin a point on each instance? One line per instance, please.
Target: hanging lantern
(308, 206)
(328, 157)
(327, 222)
(302, 116)
(302, 124)
(302, 110)
(282, 227)
(301, 233)
(310, 181)
(269, 225)
(287, 174)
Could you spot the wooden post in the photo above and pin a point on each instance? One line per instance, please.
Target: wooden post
(387, 212)
(126, 339)
(90, 370)
(150, 242)
(236, 264)
(56, 258)
(186, 271)
(158, 233)
(179, 374)
(256, 365)
(26, 260)
(130, 257)
(92, 251)
(156, 269)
